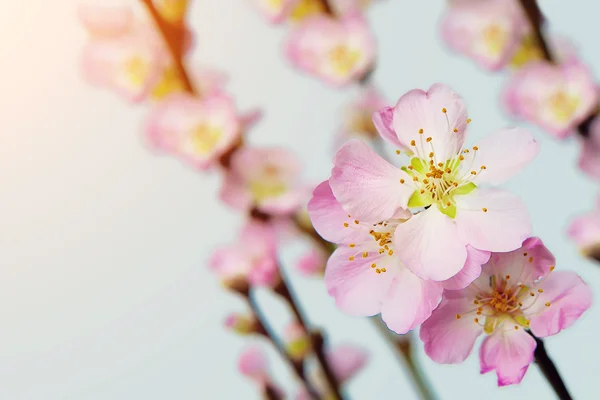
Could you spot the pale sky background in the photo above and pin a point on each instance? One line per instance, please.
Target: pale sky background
(104, 293)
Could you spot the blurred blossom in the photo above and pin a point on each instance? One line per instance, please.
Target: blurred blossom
(516, 291)
(304, 9)
(337, 51)
(253, 364)
(267, 179)
(556, 97)
(345, 360)
(312, 263)
(358, 120)
(198, 130)
(298, 343)
(589, 156)
(172, 10)
(251, 259)
(276, 11)
(585, 231)
(489, 31)
(241, 324)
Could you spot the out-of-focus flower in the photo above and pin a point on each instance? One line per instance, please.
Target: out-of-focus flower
(556, 97)
(365, 274)
(337, 51)
(489, 31)
(516, 291)
(253, 363)
(304, 9)
(241, 324)
(264, 178)
(252, 259)
(357, 120)
(312, 263)
(346, 361)
(298, 343)
(276, 11)
(589, 156)
(198, 130)
(585, 231)
(444, 177)
(172, 10)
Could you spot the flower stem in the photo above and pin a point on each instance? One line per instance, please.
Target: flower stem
(173, 36)
(403, 345)
(536, 20)
(316, 338)
(265, 329)
(546, 365)
(271, 393)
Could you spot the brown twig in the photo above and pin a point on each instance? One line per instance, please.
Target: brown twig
(265, 329)
(549, 370)
(173, 36)
(316, 338)
(536, 20)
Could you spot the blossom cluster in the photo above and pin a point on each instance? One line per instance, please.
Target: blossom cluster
(428, 243)
(550, 86)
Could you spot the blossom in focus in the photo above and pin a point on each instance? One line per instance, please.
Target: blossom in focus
(556, 97)
(490, 32)
(365, 274)
(337, 51)
(345, 360)
(516, 291)
(441, 183)
(251, 259)
(122, 54)
(589, 156)
(267, 179)
(198, 130)
(585, 231)
(357, 120)
(172, 10)
(298, 343)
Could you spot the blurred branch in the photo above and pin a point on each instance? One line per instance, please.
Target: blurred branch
(536, 20)
(403, 345)
(173, 36)
(549, 370)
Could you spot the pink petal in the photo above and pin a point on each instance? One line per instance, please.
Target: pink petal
(526, 265)
(418, 110)
(492, 153)
(366, 185)
(569, 297)
(328, 217)
(492, 219)
(471, 270)
(448, 339)
(346, 361)
(253, 363)
(383, 120)
(312, 263)
(358, 290)
(106, 20)
(509, 352)
(233, 193)
(428, 245)
(589, 157)
(585, 230)
(409, 301)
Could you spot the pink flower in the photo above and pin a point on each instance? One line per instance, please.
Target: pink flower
(487, 31)
(516, 291)
(589, 156)
(585, 231)
(253, 363)
(265, 178)
(358, 120)
(122, 54)
(337, 51)
(253, 258)
(312, 263)
(298, 343)
(365, 274)
(241, 324)
(346, 361)
(444, 177)
(276, 11)
(556, 97)
(198, 130)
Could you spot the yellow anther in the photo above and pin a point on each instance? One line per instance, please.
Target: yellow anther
(415, 178)
(516, 328)
(429, 139)
(431, 155)
(476, 320)
(398, 152)
(401, 180)
(383, 269)
(422, 191)
(531, 294)
(457, 316)
(444, 110)
(351, 258)
(484, 209)
(413, 143)
(468, 120)
(507, 277)
(345, 225)
(440, 165)
(373, 265)
(455, 130)
(378, 270)
(426, 181)
(365, 254)
(351, 245)
(473, 172)
(391, 252)
(483, 167)
(547, 304)
(421, 130)
(552, 268)
(530, 259)
(461, 157)
(475, 148)
(541, 290)
(356, 221)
